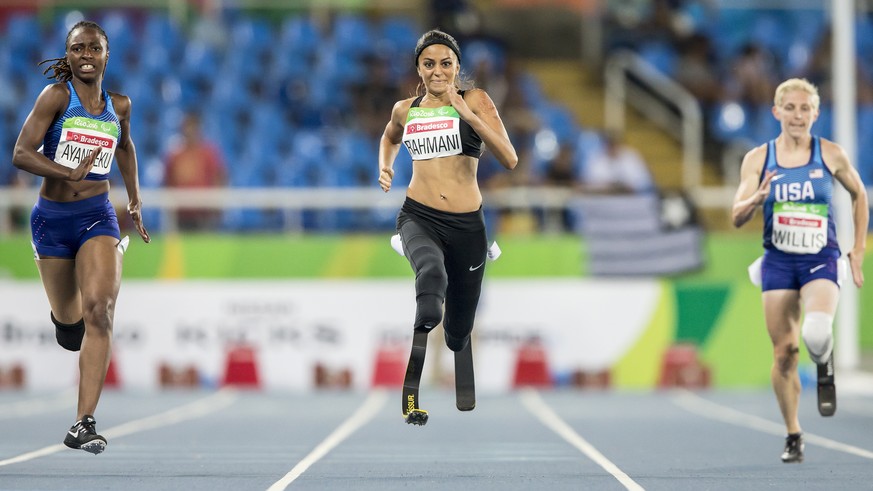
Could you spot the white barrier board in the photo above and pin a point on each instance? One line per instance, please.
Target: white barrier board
(292, 325)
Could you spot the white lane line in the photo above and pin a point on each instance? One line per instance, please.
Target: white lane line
(201, 407)
(698, 405)
(39, 405)
(535, 404)
(371, 406)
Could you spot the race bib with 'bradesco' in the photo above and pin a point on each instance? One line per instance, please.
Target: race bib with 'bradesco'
(81, 136)
(432, 132)
(800, 228)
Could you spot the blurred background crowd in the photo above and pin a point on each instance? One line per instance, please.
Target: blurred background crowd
(225, 94)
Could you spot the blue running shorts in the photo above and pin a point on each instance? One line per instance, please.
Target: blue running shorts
(58, 229)
(784, 271)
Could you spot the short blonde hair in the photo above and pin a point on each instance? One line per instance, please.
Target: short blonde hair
(797, 84)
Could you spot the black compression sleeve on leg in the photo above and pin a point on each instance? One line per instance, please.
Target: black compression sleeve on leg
(69, 336)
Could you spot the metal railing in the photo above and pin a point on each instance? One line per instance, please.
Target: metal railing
(291, 201)
(632, 81)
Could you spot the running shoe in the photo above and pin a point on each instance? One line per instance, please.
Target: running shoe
(827, 391)
(83, 436)
(793, 448)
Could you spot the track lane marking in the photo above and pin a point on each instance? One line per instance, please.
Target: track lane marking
(706, 408)
(201, 407)
(371, 406)
(535, 404)
(39, 405)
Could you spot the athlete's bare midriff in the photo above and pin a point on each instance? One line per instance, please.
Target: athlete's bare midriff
(65, 191)
(446, 183)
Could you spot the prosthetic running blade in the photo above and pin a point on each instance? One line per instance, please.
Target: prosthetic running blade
(465, 385)
(412, 413)
(827, 391)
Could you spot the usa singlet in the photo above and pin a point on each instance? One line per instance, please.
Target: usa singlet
(74, 135)
(798, 217)
(432, 132)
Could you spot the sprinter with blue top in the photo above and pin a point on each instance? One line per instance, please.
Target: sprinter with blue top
(69, 139)
(792, 179)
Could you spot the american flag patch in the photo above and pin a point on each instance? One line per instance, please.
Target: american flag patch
(815, 174)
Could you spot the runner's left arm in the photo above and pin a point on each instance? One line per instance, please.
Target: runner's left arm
(125, 155)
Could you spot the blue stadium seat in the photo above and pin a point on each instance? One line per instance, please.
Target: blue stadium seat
(731, 120)
(299, 37)
(560, 120)
(824, 125)
(121, 31)
(23, 33)
(161, 30)
(353, 34)
(732, 30)
(773, 30)
(199, 61)
(864, 159)
(252, 35)
(764, 126)
(660, 55)
(397, 35)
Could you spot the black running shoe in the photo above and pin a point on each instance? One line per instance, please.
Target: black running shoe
(416, 417)
(827, 391)
(83, 436)
(793, 448)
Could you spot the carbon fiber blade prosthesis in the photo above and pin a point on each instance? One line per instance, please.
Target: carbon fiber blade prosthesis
(411, 412)
(465, 385)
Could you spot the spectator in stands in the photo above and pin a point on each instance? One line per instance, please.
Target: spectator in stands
(791, 178)
(750, 80)
(618, 168)
(69, 139)
(374, 94)
(441, 225)
(561, 170)
(819, 71)
(697, 72)
(195, 163)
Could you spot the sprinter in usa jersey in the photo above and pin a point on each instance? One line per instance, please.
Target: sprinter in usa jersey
(71, 138)
(792, 178)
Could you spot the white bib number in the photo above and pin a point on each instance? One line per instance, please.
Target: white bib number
(80, 137)
(800, 228)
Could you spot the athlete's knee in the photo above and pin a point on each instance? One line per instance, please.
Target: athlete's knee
(98, 313)
(785, 358)
(818, 336)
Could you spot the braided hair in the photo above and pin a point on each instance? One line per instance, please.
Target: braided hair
(60, 67)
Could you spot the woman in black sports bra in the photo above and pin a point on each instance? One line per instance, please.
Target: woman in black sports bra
(441, 226)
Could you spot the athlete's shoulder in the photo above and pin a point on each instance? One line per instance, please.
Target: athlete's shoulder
(829, 146)
(120, 102)
(404, 103)
(758, 153)
(401, 107)
(833, 153)
(475, 92)
(56, 91)
(477, 96)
